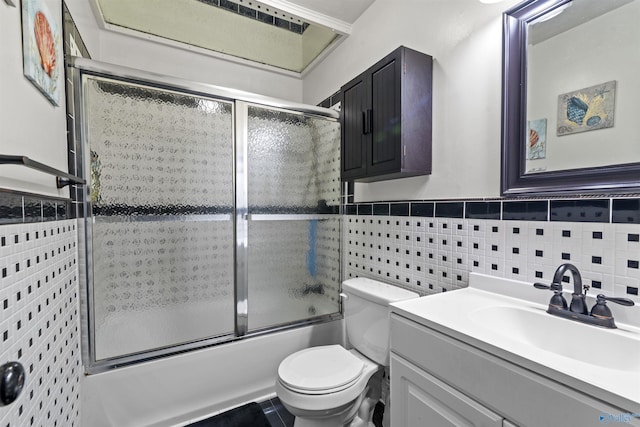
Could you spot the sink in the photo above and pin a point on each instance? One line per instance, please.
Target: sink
(508, 319)
(606, 348)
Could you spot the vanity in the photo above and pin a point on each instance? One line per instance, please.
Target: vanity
(490, 355)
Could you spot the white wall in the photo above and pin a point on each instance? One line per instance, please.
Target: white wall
(29, 124)
(465, 39)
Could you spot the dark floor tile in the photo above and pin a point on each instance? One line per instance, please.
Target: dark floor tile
(285, 416)
(271, 414)
(249, 415)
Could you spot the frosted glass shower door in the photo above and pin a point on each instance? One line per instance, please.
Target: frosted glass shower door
(161, 198)
(293, 182)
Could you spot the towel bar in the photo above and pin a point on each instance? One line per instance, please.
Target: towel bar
(62, 178)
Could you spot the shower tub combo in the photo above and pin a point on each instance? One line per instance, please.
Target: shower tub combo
(209, 242)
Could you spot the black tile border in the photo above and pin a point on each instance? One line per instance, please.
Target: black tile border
(18, 208)
(400, 209)
(626, 211)
(365, 209)
(449, 210)
(600, 210)
(535, 210)
(585, 210)
(482, 210)
(422, 209)
(381, 209)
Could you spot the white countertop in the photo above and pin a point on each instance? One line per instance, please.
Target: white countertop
(586, 363)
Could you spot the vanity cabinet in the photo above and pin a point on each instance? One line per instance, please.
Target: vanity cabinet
(420, 399)
(386, 119)
(435, 376)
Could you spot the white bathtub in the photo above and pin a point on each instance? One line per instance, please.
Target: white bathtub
(177, 390)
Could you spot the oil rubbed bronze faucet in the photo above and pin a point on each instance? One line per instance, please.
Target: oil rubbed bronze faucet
(600, 314)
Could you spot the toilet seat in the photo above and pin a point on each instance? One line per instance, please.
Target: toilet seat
(320, 370)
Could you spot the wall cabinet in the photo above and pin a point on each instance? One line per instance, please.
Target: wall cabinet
(386, 119)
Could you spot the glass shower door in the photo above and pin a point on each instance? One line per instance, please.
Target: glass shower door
(161, 205)
(293, 227)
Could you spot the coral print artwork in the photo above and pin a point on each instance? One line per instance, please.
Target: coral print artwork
(586, 109)
(537, 141)
(42, 48)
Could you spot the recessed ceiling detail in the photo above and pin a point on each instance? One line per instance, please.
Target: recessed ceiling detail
(248, 29)
(257, 11)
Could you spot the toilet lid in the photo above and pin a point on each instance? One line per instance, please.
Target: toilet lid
(320, 368)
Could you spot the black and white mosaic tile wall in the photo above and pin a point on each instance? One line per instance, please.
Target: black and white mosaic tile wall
(432, 246)
(39, 320)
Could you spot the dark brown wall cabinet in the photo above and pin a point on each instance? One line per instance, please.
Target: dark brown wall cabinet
(386, 119)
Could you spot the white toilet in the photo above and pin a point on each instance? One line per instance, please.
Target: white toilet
(330, 386)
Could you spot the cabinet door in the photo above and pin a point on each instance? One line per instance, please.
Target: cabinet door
(384, 148)
(354, 135)
(420, 399)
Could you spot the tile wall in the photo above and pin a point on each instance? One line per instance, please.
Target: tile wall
(39, 320)
(431, 247)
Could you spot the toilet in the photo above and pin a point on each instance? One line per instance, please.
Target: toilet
(331, 386)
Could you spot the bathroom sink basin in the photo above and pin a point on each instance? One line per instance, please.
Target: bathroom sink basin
(607, 348)
(509, 319)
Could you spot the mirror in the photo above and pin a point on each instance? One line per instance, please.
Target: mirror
(571, 98)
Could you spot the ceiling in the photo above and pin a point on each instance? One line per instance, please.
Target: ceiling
(343, 10)
(288, 35)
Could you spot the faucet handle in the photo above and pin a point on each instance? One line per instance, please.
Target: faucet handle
(621, 301)
(601, 310)
(557, 299)
(556, 287)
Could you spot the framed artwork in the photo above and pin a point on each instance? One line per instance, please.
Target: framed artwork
(586, 109)
(42, 49)
(537, 139)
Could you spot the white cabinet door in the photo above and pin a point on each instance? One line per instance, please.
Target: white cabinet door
(421, 400)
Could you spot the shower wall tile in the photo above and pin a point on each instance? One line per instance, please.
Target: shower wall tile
(430, 254)
(39, 321)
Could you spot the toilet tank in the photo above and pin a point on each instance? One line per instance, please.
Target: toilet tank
(367, 315)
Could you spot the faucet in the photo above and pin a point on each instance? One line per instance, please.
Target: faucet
(578, 303)
(600, 314)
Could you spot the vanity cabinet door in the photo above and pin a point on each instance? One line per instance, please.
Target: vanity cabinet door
(420, 399)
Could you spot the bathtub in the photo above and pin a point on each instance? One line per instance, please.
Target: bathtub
(175, 391)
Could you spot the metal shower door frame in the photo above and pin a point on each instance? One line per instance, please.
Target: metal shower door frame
(80, 67)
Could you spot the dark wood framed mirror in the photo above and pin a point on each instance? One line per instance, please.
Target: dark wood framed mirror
(562, 61)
